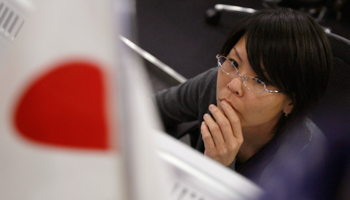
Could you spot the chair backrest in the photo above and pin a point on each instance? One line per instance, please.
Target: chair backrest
(302, 3)
(332, 115)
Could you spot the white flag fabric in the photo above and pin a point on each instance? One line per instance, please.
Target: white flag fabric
(60, 131)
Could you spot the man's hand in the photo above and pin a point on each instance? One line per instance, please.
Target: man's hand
(223, 136)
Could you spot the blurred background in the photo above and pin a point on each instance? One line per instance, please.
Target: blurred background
(176, 32)
(182, 36)
(179, 35)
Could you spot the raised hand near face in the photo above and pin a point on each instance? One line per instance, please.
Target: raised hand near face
(223, 136)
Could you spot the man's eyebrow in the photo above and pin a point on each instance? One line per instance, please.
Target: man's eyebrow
(239, 57)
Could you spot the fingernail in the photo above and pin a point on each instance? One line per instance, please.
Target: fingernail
(205, 115)
(224, 103)
(211, 107)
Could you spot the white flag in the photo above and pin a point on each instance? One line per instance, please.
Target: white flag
(60, 131)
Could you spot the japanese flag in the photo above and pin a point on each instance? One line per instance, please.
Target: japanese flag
(61, 128)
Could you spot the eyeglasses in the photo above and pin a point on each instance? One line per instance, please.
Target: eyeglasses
(252, 83)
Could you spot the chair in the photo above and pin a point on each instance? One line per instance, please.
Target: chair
(313, 7)
(332, 114)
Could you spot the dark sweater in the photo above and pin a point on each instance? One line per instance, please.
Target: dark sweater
(190, 101)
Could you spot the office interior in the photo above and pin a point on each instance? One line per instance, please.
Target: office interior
(177, 41)
(178, 34)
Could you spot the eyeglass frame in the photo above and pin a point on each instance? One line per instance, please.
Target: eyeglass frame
(243, 81)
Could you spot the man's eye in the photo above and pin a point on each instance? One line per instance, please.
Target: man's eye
(234, 63)
(259, 82)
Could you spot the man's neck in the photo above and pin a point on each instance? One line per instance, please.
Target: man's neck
(254, 140)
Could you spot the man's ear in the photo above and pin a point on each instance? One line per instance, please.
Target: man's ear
(289, 107)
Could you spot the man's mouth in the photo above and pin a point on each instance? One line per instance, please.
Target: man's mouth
(223, 99)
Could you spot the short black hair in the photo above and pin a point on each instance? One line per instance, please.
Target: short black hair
(294, 51)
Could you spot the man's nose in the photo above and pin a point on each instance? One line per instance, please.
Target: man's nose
(236, 85)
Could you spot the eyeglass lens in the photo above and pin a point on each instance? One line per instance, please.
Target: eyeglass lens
(250, 82)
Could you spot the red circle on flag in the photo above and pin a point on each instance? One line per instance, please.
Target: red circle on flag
(65, 107)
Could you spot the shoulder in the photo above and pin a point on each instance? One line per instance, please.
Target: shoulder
(206, 78)
(317, 140)
(304, 137)
(302, 147)
(207, 86)
(197, 86)
(315, 132)
(186, 101)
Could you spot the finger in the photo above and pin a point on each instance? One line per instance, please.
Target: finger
(223, 123)
(207, 138)
(233, 118)
(214, 130)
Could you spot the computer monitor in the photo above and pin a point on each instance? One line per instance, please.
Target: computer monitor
(13, 16)
(199, 177)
